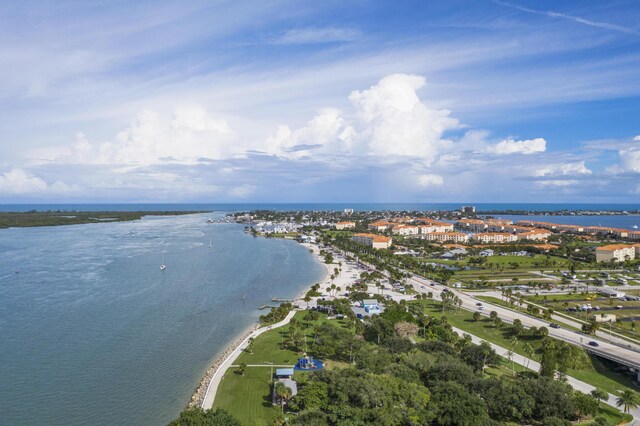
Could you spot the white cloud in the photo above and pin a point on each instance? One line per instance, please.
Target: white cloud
(17, 181)
(563, 169)
(630, 159)
(429, 179)
(637, 138)
(556, 183)
(242, 191)
(189, 134)
(391, 121)
(510, 146)
(318, 35)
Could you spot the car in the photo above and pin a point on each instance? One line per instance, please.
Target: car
(554, 325)
(432, 285)
(480, 307)
(594, 344)
(478, 304)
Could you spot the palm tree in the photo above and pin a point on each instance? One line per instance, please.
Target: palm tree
(528, 351)
(243, 369)
(627, 399)
(284, 393)
(600, 395)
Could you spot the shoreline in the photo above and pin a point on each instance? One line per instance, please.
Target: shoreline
(230, 353)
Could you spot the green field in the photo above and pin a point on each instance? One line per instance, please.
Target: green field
(247, 397)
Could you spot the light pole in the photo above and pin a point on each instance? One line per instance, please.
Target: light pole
(271, 363)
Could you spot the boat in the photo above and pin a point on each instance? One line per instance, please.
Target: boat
(162, 265)
(635, 226)
(210, 246)
(209, 221)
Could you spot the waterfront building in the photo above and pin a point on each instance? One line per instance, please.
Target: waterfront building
(495, 237)
(457, 237)
(373, 240)
(467, 209)
(618, 252)
(344, 225)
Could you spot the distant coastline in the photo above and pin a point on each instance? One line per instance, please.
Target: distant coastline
(33, 218)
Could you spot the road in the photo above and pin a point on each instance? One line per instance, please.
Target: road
(605, 349)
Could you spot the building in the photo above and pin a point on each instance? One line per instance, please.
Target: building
(427, 225)
(405, 230)
(604, 318)
(284, 376)
(373, 240)
(486, 253)
(615, 252)
(371, 306)
(467, 209)
(471, 225)
(534, 235)
(380, 225)
(348, 211)
(344, 225)
(610, 292)
(494, 237)
(457, 237)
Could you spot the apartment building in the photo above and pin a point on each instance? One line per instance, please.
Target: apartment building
(405, 230)
(617, 252)
(380, 225)
(373, 240)
(494, 237)
(456, 237)
(344, 225)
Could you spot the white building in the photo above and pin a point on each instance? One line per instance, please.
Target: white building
(617, 252)
(457, 237)
(372, 240)
(494, 237)
(344, 225)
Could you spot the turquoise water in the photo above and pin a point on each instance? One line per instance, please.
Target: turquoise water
(92, 332)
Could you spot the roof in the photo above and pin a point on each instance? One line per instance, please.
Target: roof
(284, 372)
(369, 302)
(381, 223)
(375, 237)
(446, 233)
(614, 247)
(348, 222)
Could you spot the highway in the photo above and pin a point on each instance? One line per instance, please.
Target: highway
(604, 349)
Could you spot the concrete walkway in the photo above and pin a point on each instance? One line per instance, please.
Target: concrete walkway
(210, 395)
(534, 365)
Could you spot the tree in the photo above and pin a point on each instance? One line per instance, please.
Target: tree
(585, 405)
(599, 395)
(243, 368)
(283, 393)
(476, 316)
(199, 417)
(627, 399)
(548, 361)
(456, 406)
(478, 356)
(307, 299)
(250, 345)
(406, 329)
(518, 328)
(493, 315)
(528, 351)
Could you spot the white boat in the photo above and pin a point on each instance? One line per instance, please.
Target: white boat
(635, 226)
(162, 265)
(210, 246)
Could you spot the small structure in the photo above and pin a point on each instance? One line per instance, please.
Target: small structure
(610, 292)
(307, 363)
(291, 384)
(371, 306)
(604, 318)
(486, 253)
(284, 373)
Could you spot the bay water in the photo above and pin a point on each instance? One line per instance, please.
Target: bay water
(93, 332)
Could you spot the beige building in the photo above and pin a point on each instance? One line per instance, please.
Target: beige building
(618, 252)
(405, 230)
(534, 234)
(372, 240)
(380, 225)
(604, 318)
(495, 237)
(345, 225)
(457, 237)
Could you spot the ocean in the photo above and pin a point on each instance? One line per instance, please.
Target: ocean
(92, 332)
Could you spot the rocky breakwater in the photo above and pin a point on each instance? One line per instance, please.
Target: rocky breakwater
(198, 397)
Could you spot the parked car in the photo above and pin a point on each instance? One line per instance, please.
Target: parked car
(594, 344)
(478, 304)
(480, 307)
(619, 307)
(554, 325)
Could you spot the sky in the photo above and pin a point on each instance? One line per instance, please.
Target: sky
(330, 101)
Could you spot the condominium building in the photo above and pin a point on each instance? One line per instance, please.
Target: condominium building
(405, 230)
(344, 225)
(457, 237)
(495, 237)
(617, 252)
(534, 234)
(372, 240)
(380, 225)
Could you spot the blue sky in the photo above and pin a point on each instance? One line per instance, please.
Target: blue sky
(289, 101)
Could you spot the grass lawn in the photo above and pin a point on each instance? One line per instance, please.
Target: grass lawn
(247, 397)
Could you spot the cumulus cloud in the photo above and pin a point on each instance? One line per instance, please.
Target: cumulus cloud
(391, 121)
(18, 182)
(630, 158)
(556, 183)
(563, 169)
(430, 179)
(510, 146)
(152, 138)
